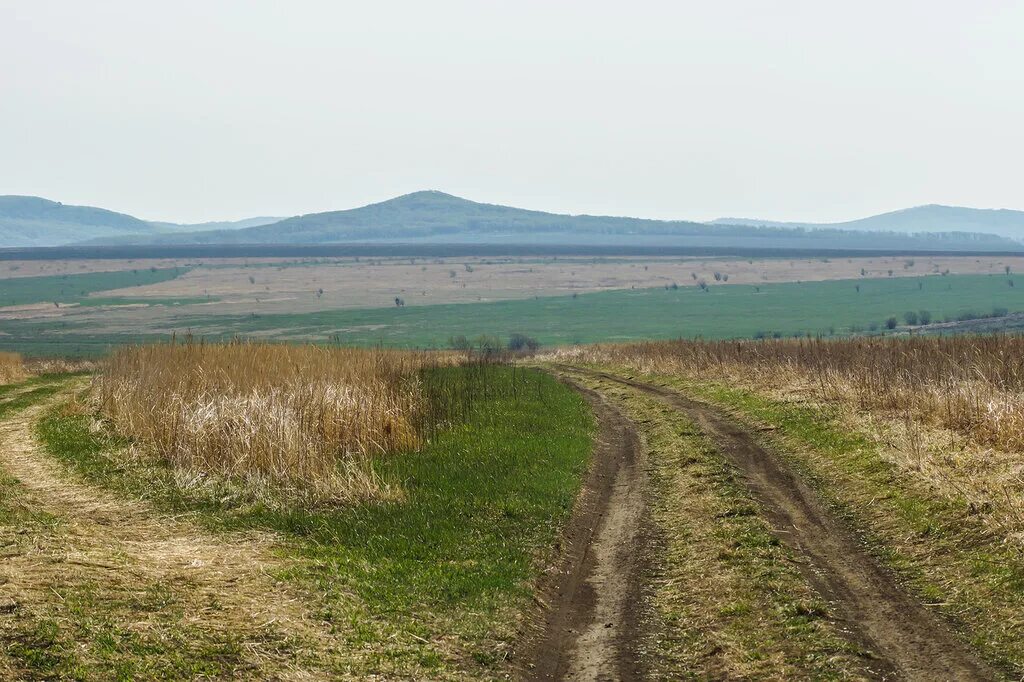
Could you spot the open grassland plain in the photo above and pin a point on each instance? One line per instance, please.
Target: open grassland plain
(914, 443)
(95, 301)
(127, 557)
(833, 307)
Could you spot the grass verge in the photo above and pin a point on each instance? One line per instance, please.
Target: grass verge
(429, 586)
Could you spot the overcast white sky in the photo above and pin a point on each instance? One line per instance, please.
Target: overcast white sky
(816, 110)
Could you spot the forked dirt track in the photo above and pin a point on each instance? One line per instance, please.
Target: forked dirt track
(591, 598)
(909, 641)
(127, 546)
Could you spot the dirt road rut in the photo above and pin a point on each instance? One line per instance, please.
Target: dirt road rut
(592, 619)
(910, 641)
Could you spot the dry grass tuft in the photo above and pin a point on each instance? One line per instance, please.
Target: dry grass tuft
(12, 368)
(303, 418)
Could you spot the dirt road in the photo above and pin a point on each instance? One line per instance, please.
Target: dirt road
(908, 641)
(592, 618)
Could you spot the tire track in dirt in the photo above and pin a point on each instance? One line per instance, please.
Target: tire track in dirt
(103, 539)
(591, 618)
(911, 642)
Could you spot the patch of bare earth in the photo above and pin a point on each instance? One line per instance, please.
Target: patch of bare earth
(219, 589)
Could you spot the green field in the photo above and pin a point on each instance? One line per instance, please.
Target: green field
(75, 288)
(732, 311)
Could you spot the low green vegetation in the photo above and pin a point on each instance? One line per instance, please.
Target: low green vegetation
(75, 288)
(718, 312)
(435, 580)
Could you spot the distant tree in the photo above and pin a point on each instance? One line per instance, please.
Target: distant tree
(522, 342)
(399, 302)
(488, 345)
(693, 275)
(891, 323)
(452, 274)
(1010, 282)
(252, 280)
(857, 287)
(890, 273)
(1007, 268)
(674, 285)
(925, 317)
(863, 272)
(459, 342)
(718, 277)
(725, 278)
(911, 317)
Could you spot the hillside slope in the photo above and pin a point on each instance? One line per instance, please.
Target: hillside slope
(27, 221)
(436, 216)
(930, 218)
(33, 221)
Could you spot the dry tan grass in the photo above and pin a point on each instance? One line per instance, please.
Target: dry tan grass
(306, 419)
(947, 411)
(12, 368)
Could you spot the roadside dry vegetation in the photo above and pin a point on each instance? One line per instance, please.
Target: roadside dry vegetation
(949, 409)
(304, 418)
(12, 368)
(918, 443)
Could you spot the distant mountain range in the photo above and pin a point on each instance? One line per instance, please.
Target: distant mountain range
(32, 221)
(432, 216)
(931, 218)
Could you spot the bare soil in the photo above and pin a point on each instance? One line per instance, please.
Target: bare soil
(909, 641)
(590, 608)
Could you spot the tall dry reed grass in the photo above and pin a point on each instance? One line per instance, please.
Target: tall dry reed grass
(306, 419)
(12, 368)
(973, 385)
(949, 409)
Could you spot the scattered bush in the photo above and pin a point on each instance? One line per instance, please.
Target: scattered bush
(518, 343)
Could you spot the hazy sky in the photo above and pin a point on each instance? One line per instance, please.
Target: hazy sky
(816, 110)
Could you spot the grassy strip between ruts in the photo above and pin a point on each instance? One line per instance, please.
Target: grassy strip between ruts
(938, 547)
(439, 578)
(730, 602)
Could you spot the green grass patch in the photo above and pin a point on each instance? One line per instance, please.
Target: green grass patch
(74, 288)
(430, 583)
(726, 311)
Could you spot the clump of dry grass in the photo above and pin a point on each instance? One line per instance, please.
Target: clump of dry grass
(12, 368)
(306, 419)
(59, 365)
